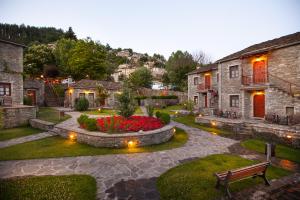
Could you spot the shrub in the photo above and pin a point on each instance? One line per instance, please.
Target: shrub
(189, 105)
(165, 118)
(150, 110)
(165, 97)
(157, 114)
(27, 101)
(59, 90)
(81, 104)
(126, 105)
(91, 124)
(81, 120)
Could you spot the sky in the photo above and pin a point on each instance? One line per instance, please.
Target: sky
(215, 27)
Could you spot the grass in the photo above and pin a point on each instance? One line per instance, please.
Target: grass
(51, 115)
(195, 180)
(6, 134)
(138, 111)
(169, 109)
(281, 151)
(189, 120)
(71, 187)
(59, 147)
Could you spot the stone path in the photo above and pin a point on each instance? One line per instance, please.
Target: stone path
(28, 138)
(111, 170)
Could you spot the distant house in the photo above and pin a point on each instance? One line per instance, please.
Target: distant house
(88, 89)
(35, 90)
(260, 80)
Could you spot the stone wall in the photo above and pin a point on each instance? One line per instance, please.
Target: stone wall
(18, 115)
(11, 68)
(229, 86)
(99, 139)
(159, 103)
(40, 124)
(182, 96)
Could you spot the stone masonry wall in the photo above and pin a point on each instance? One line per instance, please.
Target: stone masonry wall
(39, 87)
(277, 101)
(18, 115)
(229, 86)
(11, 67)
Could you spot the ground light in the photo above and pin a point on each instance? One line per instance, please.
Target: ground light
(72, 136)
(213, 123)
(131, 144)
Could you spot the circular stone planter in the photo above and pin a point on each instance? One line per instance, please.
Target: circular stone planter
(113, 140)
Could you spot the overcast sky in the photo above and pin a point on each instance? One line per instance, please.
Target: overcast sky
(163, 26)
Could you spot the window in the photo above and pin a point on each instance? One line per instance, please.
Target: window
(196, 80)
(81, 95)
(290, 111)
(5, 89)
(234, 71)
(196, 100)
(234, 101)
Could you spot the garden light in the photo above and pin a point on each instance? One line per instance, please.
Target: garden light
(289, 136)
(99, 109)
(213, 123)
(131, 144)
(200, 115)
(72, 136)
(174, 130)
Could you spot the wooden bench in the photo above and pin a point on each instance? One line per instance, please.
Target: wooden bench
(225, 178)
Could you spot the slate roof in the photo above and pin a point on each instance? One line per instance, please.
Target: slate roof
(89, 84)
(32, 84)
(207, 68)
(284, 41)
(13, 43)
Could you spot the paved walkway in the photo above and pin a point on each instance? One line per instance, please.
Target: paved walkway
(113, 170)
(28, 138)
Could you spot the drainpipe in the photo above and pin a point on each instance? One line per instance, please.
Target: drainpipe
(220, 86)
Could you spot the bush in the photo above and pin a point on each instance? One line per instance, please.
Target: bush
(126, 105)
(189, 105)
(59, 90)
(157, 114)
(91, 124)
(150, 110)
(81, 120)
(165, 118)
(81, 104)
(165, 97)
(27, 101)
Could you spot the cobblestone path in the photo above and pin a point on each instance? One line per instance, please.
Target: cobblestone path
(112, 170)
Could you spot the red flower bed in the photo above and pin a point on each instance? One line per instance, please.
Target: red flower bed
(132, 124)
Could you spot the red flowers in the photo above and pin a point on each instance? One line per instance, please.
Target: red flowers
(132, 124)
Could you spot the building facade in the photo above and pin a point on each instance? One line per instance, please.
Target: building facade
(88, 89)
(260, 80)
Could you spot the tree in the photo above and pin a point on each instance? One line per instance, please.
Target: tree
(88, 59)
(70, 34)
(36, 57)
(62, 54)
(178, 65)
(201, 58)
(141, 77)
(126, 104)
(102, 94)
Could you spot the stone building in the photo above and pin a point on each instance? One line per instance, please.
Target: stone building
(88, 89)
(12, 111)
(261, 79)
(203, 88)
(35, 90)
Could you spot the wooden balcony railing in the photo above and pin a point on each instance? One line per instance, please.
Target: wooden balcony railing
(261, 78)
(203, 87)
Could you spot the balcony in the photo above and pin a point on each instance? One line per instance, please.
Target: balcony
(203, 87)
(255, 82)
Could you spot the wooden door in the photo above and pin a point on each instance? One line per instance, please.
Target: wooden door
(259, 105)
(207, 81)
(32, 95)
(259, 72)
(91, 100)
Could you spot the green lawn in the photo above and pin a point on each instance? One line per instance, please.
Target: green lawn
(6, 134)
(189, 120)
(138, 111)
(169, 109)
(71, 187)
(57, 146)
(51, 115)
(195, 180)
(281, 151)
